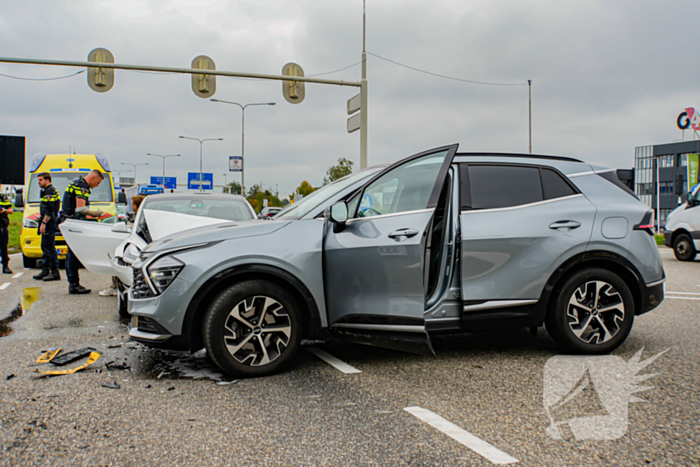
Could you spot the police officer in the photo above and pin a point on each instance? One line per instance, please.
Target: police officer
(76, 206)
(48, 227)
(5, 210)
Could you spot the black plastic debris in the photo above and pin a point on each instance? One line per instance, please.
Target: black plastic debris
(148, 386)
(113, 385)
(117, 366)
(9, 377)
(171, 388)
(72, 356)
(114, 346)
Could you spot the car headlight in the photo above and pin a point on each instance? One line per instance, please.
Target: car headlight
(131, 253)
(162, 272)
(30, 224)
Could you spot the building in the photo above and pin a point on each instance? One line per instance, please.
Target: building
(671, 160)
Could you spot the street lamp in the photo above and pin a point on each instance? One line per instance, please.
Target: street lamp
(134, 166)
(163, 157)
(201, 141)
(242, 134)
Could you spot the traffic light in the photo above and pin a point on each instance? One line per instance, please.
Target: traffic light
(294, 91)
(203, 85)
(100, 79)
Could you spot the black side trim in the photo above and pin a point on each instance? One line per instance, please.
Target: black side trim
(519, 155)
(191, 327)
(380, 319)
(695, 234)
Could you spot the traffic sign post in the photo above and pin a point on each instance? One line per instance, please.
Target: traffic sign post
(170, 182)
(193, 182)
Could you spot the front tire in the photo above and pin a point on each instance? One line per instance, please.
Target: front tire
(253, 328)
(592, 313)
(683, 248)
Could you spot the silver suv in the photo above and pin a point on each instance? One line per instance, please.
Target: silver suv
(440, 242)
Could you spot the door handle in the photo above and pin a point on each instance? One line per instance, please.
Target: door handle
(75, 231)
(403, 233)
(564, 225)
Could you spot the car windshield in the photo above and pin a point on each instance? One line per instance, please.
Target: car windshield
(61, 180)
(318, 197)
(227, 209)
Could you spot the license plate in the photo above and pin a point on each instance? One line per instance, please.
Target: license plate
(61, 251)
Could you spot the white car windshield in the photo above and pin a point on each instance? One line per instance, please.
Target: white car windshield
(318, 197)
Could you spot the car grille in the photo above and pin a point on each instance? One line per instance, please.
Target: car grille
(140, 288)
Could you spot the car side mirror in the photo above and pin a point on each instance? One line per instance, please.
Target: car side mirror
(337, 215)
(121, 227)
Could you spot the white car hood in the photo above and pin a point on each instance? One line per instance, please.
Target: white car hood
(163, 223)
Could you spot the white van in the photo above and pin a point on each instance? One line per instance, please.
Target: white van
(683, 228)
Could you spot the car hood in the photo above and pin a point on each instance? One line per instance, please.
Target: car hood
(216, 233)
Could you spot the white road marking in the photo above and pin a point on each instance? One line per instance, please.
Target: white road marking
(462, 436)
(5, 285)
(684, 293)
(19, 274)
(683, 298)
(333, 361)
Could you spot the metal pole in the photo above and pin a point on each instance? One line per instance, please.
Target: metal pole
(658, 196)
(201, 143)
(243, 150)
(529, 112)
(363, 93)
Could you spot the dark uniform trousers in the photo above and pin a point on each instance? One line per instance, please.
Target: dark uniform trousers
(4, 238)
(48, 245)
(72, 266)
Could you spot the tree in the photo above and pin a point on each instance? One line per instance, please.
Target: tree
(233, 188)
(257, 193)
(335, 172)
(305, 188)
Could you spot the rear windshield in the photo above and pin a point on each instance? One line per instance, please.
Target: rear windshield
(230, 210)
(61, 180)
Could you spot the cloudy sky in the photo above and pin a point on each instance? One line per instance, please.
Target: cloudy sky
(607, 76)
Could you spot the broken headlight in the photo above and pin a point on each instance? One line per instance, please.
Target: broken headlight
(162, 272)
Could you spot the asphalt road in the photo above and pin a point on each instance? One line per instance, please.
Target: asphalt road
(172, 408)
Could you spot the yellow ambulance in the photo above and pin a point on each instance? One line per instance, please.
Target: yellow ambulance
(64, 168)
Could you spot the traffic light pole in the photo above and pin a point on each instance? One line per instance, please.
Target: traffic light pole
(119, 66)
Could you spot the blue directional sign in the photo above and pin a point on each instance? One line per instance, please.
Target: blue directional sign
(170, 182)
(235, 164)
(193, 181)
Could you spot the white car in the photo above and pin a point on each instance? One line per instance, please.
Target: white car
(109, 250)
(682, 232)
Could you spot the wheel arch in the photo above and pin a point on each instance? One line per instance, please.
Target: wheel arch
(192, 324)
(678, 232)
(591, 259)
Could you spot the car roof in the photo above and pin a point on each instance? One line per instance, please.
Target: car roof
(190, 196)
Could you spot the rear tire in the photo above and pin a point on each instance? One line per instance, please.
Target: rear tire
(592, 312)
(28, 263)
(683, 248)
(253, 328)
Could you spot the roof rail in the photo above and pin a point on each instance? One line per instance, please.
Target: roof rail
(524, 156)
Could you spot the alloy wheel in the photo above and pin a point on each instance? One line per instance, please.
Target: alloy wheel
(257, 330)
(595, 312)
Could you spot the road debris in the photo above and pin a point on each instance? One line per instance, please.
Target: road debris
(112, 365)
(92, 358)
(9, 377)
(113, 385)
(72, 356)
(49, 355)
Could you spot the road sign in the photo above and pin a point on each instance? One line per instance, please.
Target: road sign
(170, 182)
(354, 104)
(354, 123)
(235, 164)
(193, 181)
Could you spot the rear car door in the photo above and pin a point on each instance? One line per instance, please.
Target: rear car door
(519, 222)
(374, 267)
(93, 243)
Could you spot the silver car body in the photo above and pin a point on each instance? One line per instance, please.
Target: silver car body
(381, 273)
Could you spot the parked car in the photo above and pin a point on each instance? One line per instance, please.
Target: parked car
(268, 213)
(682, 229)
(110, 250)
(440, 242)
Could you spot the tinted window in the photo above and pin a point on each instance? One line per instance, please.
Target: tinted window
(611, 176)
(501, 186)
(554, 185)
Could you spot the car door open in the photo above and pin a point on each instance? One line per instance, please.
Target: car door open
(94, 243)
(374, 264)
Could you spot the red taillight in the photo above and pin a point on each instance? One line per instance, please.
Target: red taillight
(647, 223)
